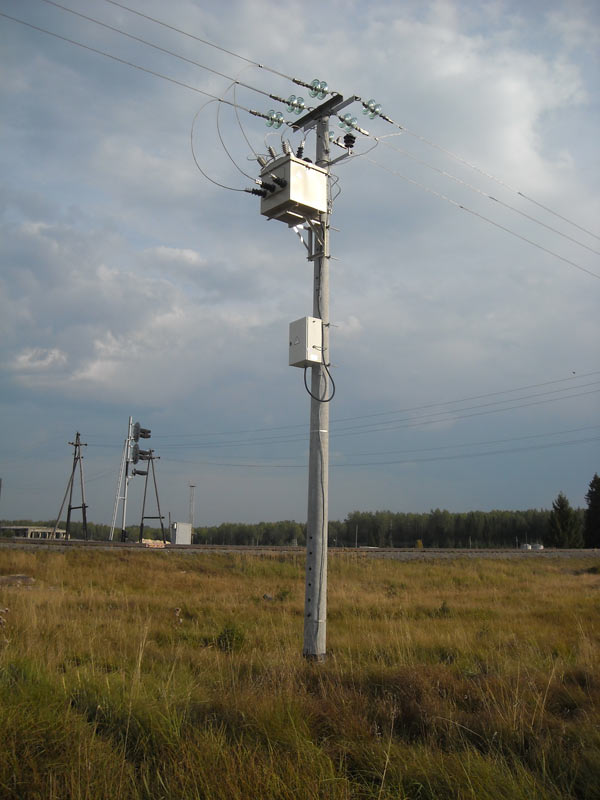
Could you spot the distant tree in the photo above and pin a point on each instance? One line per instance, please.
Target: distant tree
(564, 527)
(591, 533)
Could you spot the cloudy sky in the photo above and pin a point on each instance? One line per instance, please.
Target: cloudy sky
(465, 347)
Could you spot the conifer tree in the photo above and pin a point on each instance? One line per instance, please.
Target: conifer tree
(564, 529)
(592, 514)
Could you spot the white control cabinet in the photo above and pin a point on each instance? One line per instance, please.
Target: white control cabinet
(181, 533)
(306, 342)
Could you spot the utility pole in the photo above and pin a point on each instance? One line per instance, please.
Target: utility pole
(192, 507)
(122, 485)
(315, 602)
(77, 461)
(297, 192)
(148, 455)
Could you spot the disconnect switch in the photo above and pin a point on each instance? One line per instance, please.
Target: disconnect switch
(306, 342)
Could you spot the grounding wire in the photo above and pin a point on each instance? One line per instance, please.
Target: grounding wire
(196, 162)
(224, 146)
(483, 217)
(479, 191)
(239, 122)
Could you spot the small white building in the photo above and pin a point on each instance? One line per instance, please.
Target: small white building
(181, 533)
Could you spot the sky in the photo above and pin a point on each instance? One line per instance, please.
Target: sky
(465, 276)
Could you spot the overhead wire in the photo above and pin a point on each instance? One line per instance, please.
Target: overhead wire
(483, 217)
(448, 416)
(386, 118)
(127, 63)
(402, 128)
(206, 42)
(406, 410)
(162, 49)
(488, 175)
(155, 74)
(341, 465)
(455, 446)
(473, 188)
(485, 443)
(411, 421)
(237, 107)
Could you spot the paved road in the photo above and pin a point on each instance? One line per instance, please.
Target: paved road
(399, 554)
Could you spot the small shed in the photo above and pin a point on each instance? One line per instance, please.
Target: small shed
(181, 533)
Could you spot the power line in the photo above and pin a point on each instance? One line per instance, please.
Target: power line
(282, 100)
(164, 50)
(493, 403)
(475, 444)
(428, 459)
(482, 217)
(474, 397)
(422, 421)
(387, 119)
(488, 175)
(408, 409)
(132, 64)
(209, 44)
(467, 444)
(394, 424)
(470, 186)
(458, 456)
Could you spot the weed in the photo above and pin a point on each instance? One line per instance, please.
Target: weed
(482, 682)
(230, 638)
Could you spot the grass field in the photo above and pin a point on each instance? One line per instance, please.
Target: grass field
(156, 675)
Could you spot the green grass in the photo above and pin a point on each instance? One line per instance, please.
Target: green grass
(155, 675)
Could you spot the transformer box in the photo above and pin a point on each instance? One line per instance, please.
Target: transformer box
(301, 193)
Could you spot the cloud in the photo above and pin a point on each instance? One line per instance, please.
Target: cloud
(38, 359)
(128, 279)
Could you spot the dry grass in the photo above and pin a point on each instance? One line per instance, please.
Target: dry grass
(156, 675)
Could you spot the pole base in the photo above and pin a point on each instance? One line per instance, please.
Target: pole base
(316, 658)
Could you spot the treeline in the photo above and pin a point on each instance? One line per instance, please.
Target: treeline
(561, 526)
(438, 528)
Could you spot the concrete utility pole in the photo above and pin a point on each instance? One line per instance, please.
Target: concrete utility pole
(192, 505)
(297, 192)
(315, 604)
